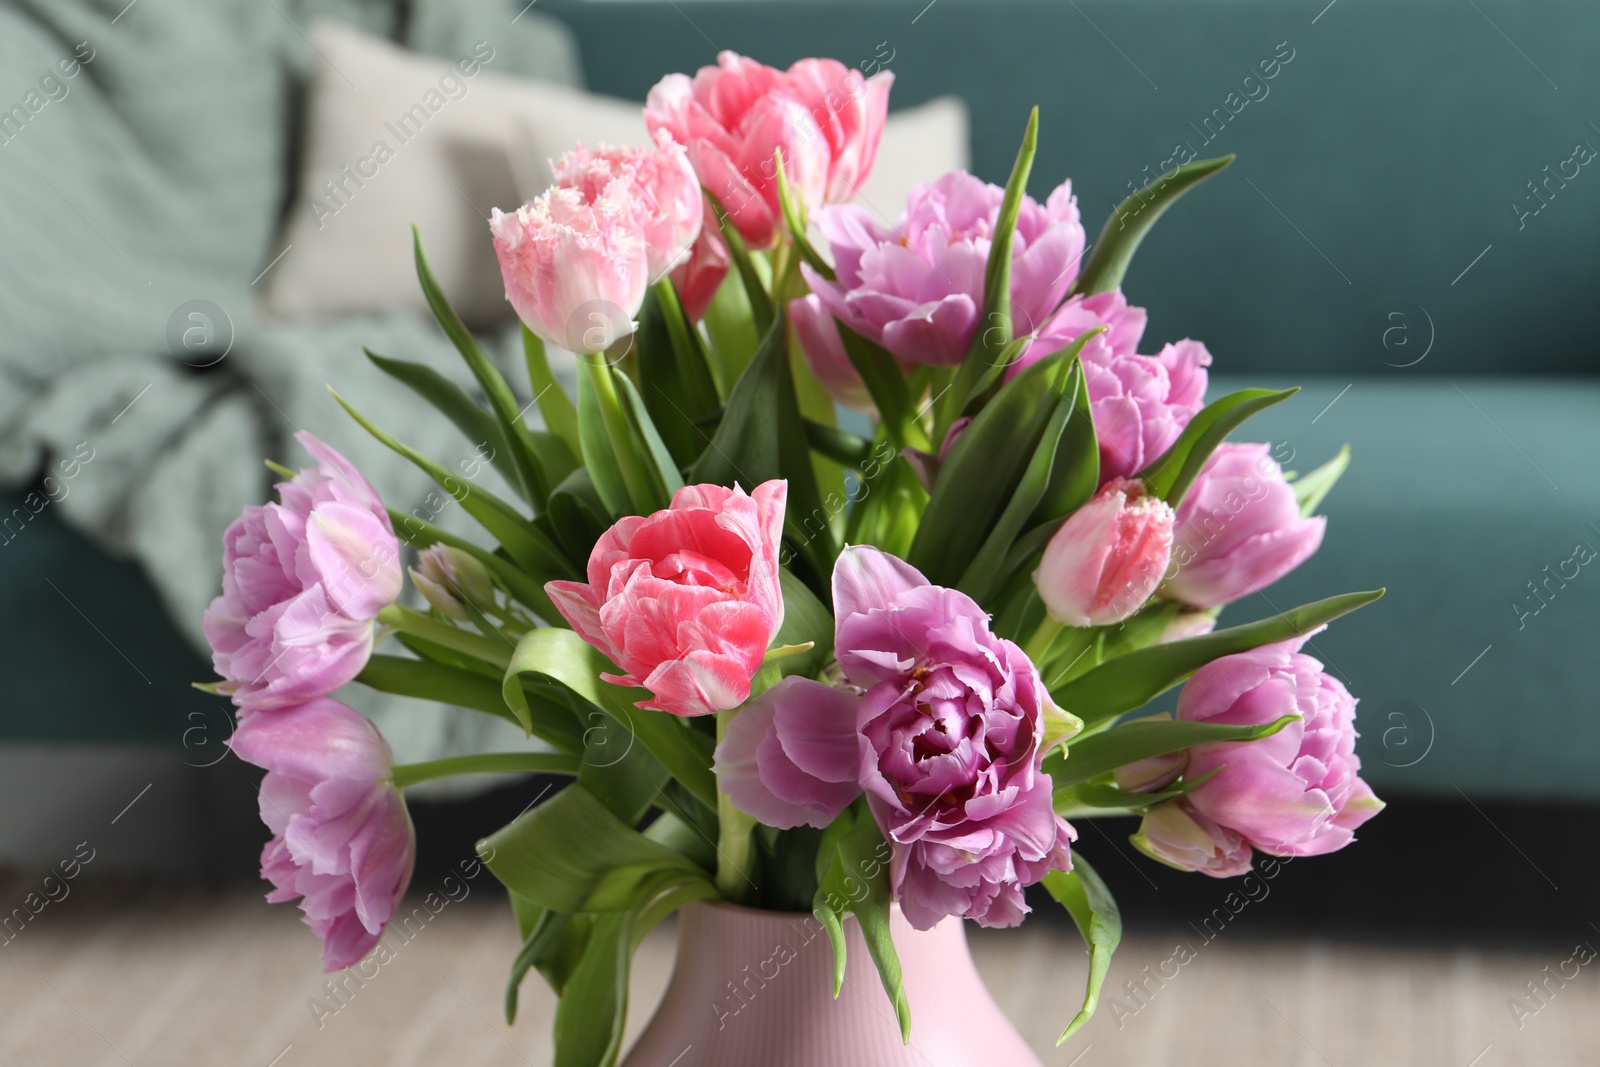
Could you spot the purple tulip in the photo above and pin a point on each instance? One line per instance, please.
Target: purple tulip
(916, 287)
(1296, 793)
(1239, 529)
(302, 581)
(1140, 403)
(818, 335)
(945, 738)
(342, 839)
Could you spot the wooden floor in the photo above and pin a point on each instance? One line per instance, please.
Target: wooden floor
(175, 974)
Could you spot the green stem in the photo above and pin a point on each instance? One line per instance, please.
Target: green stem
(1038, 646)
(443, 633)
(618, 429)
(735, 842)
(409, 774)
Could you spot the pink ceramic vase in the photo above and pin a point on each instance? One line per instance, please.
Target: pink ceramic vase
(755, 989)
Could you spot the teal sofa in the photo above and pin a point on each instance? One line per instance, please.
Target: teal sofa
(1408, 233)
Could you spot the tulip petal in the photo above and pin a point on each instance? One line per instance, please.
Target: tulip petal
(756, 764)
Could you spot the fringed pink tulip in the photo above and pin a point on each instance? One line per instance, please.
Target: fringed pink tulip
(1107, 558)
(1295, 793)
(342, 839)
(302, 582)
(825, 118)
(945, 738)
(574, 270)
(1239, 529)
(659, 184)
(687, 600)
(916, 287)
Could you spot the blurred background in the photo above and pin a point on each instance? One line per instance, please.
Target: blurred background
(204, 209)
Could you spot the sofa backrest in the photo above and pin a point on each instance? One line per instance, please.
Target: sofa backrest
(1413, 177)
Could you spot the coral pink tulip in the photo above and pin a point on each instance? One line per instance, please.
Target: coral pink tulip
(825, 118)
(687, 600)
(1107, 558)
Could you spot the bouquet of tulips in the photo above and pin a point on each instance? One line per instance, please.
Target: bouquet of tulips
(860, 538)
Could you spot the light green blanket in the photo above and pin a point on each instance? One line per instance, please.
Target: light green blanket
(146, 153)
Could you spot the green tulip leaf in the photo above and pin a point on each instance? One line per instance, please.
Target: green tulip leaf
(566, 659)
(1128, 682)
(996, 330)
(985, 468)
(853, 878)
(1093, 909)
(755, 286)
(1131, 742)
(762, 437)
(554, 404)
(501, 399)
(1131, 220)
(523, 541)
(675, 378)
(1170, 476)
(1309, 489)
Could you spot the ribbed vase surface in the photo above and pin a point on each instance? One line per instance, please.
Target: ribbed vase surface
(755, 989)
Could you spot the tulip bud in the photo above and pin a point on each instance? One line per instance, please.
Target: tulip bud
(1107, 558)
(1189, 624)
(450, 580)
(1149, 775)
(1173, 834)
(1239, 529)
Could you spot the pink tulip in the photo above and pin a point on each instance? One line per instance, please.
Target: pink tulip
(1239, 529)
(685, 601)
(916, 287)
(1295, 793)
(818, 335)
(943, 729)
(1107, 558)
(698, 278)
(302, 582)
(658, 183)
(1180, 837)
(1140, 403)
(575, 268)
(824, 117)
(342, 839)
(850, 111)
